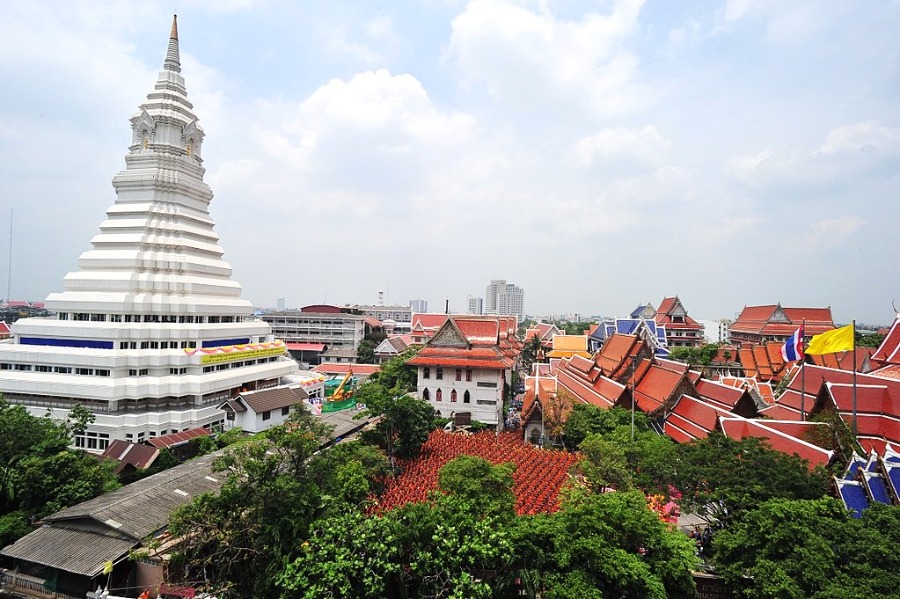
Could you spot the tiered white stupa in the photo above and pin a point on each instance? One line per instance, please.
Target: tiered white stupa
(151, 334)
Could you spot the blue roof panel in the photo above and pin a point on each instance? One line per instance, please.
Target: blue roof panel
(854, 497)
(878, 489)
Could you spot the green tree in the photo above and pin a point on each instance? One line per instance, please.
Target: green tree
(39, 473)
(49, 483)
(605, 464)
(484, 487)
(365, 352)
(721, 478)
(586, 419)
(403, 423)
(695, 356)
(795, 549)
(396, 375)
(349, 473)
(603, 545)
(871, 340)
(21, 435)
(240, 537)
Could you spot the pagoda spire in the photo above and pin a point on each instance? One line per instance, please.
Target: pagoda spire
(173, 60)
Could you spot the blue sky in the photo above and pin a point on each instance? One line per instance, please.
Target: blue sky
(597, 154)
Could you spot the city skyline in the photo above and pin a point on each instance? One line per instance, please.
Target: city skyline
(600, 155)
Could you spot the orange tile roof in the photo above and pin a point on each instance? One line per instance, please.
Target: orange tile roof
(656, 387)
(616, 355)
(845, 360)
(762, 361)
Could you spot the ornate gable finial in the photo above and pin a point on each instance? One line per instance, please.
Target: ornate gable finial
(173, 60)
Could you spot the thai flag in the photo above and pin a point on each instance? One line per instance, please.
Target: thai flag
(792, 350)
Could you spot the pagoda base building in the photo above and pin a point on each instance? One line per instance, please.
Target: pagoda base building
(150, 333)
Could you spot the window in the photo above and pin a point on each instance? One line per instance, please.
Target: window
(467, 397)
(285, 410)
(426, 372)
(453, 395)
(440, 374)
(459, 374)
(439, 396)
(267, 415)
(426, 395)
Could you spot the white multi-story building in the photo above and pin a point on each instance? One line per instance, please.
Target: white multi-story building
(466, 365)
(504, 298)
(151, 333)
(476, 305)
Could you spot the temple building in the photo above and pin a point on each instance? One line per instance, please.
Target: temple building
(150, 333)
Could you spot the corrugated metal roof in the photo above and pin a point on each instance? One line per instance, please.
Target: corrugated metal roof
(74, 548)
(143, 507)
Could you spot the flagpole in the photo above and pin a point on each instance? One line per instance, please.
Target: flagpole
(854, 382)
(802, 371)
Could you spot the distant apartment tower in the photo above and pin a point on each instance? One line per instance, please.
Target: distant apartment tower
(418, 306)
(501, 297)
(476, 305)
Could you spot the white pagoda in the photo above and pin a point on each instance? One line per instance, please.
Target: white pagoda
(151, 333)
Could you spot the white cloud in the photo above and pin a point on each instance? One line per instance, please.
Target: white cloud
(862, 137)
(647, 146)
(830, 233)
(847, 151)
(532, 60)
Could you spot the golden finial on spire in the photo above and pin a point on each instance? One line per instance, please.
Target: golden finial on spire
(174, 34)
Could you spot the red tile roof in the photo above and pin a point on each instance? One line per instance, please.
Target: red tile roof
(891, 371)
(757, 320)
(723, 396)
(305, 346)
(428, 321)
(130, 454)
(738, 428)
(692, 418)
(889, 350)
(343, 368)
(479, 331)
(175, 439)
(664, 317)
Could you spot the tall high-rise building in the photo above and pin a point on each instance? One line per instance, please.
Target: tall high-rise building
(501, 297)
(419, 306)
(151, 333)
(476, 305)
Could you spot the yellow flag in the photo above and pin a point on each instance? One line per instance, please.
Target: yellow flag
(833, 341)
(107, 567)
